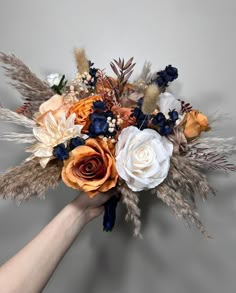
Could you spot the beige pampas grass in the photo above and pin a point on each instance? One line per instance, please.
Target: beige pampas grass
(150, 99)
(179, 205)
(81, 60)
(130, 200)
(34, 90)
(177, 191)
(18, 137)
(29, 179)
(9, 116)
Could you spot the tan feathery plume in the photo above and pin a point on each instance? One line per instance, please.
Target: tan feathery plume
(9, 116)
(150, 98)
(131, 200)
(179, 205)
(81, 60)
(29, 179)
(34, 90)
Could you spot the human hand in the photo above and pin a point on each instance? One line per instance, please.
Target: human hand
(91, 207)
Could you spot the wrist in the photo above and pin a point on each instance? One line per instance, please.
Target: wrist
(75, 216)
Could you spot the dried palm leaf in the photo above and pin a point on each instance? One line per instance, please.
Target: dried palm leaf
(123, 71)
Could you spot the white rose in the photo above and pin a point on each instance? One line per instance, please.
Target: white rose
(54, 79)
(142, 157)
(169, 102)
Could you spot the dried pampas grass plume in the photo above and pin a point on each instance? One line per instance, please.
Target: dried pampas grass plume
(81, 60)
(34, 90)
(29, 179)
(150, 98)
(9, 116)
(130, 200)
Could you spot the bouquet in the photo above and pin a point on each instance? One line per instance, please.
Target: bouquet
(97, 133)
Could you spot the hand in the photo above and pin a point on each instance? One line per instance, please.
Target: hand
(91, 207)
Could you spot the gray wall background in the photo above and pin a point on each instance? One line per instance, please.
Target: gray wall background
(199, 38)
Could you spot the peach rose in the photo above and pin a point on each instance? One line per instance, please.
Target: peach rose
(195, 123)
(56, 105)
(83, 109)
(91, 168)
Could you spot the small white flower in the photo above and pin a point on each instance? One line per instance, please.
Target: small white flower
(142, 157)
(54, 79)
(53, 133)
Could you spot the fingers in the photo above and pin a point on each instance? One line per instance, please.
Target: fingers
(101, 198)
(83, 201)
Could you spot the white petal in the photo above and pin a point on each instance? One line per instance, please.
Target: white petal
(169, 102)
(42, 135)
(43, 152)
(51, 124)
(43, 162)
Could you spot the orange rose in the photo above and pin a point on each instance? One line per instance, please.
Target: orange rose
(195, 123)
(91, 168)
(83, 109)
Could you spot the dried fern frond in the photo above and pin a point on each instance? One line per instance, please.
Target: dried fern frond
(33, 90)
(29, 179)
(130, 200)
(9, 116)
(179, 205)
(210, 160)
(213, 145)
(123, 70)
(81, 60)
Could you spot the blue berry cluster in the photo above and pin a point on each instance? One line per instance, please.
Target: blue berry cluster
(165, 76)
(61, 152)
(165, 126)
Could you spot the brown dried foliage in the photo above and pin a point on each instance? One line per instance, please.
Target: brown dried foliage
(123, 70)
(29, 179)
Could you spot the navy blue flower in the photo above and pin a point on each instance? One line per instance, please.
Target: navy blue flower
(93, 73)
(109, 217)
(167, 128)
(140, 102)
(171, 72)
(99, 125)
(159, 119)
(75, 142)
(141, 119)
(60, 152)
(99, 105)
(165, 76)
(174, 115)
